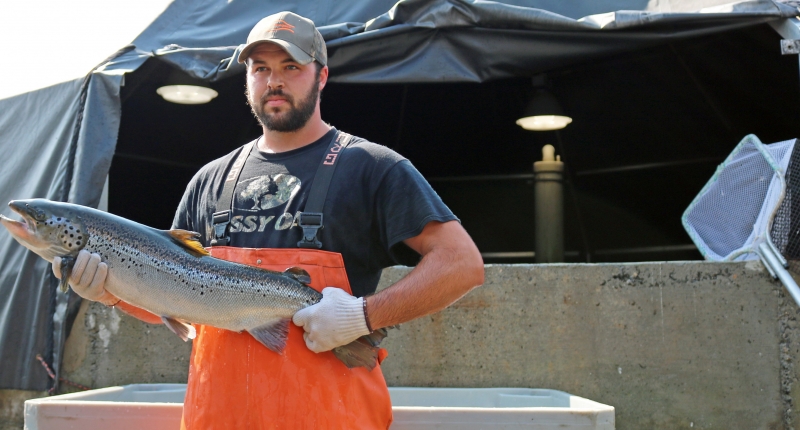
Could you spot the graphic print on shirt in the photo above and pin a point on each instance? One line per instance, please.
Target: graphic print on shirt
(260, 196)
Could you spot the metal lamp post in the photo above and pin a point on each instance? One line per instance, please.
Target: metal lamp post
(549, 207)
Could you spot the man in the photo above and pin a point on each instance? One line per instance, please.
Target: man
(377, 211)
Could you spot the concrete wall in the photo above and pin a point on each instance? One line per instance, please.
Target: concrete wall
(669, 345)
(693, 345)
(12, 407)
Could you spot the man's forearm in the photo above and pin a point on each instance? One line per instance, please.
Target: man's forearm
(451, 266)
(444, 275)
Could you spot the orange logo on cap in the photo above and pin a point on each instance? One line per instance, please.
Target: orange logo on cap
(283, 25)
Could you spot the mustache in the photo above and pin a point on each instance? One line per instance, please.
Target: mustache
(276, 92)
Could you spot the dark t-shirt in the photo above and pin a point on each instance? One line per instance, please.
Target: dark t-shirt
(376, 200)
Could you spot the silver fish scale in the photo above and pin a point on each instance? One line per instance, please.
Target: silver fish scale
(148, 268)
(165, 274)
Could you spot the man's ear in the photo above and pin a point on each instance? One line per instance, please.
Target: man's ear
(323, 77)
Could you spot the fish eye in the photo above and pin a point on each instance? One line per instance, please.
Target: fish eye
(37, 214)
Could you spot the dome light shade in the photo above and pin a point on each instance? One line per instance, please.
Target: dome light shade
(543, 113)
(544, 122)
(187, 94)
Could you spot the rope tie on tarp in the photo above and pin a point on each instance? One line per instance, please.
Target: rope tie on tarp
(52, 390)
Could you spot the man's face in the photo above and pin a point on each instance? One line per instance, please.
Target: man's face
(282, 94)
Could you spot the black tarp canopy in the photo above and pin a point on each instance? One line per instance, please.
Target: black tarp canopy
(59, 142)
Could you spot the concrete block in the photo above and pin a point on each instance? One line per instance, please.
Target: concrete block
(107, 347)
(669, 345)
(12, 407)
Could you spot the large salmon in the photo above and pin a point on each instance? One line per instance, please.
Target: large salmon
(169, 273)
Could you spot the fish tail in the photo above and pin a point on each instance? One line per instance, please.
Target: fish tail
(362, 352)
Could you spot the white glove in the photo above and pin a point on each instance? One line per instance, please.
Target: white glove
(88, 277)
(336, 320)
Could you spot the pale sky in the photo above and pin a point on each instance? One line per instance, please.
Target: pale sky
(44, 42)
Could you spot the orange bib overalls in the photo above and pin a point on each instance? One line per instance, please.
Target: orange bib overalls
(237, 383)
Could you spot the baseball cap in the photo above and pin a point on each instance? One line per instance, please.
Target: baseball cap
(296, 35)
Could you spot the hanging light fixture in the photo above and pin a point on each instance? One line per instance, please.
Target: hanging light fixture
(182, 88)
(186, 94)
(543, 112)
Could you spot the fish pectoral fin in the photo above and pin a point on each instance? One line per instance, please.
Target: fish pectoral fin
(184, 330)
(298, 274)
(189, 240)
(67, 263)
(273, 334)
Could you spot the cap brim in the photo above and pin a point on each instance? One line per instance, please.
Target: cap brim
(298, 54)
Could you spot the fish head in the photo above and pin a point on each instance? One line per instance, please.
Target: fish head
(47, 228)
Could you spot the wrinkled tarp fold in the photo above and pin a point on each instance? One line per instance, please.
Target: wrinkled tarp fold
(369, 41)
(418, 41)
(36, 143)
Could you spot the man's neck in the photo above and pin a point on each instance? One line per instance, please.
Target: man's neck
(276, 141)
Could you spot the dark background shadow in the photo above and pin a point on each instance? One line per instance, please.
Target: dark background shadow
(649, 128)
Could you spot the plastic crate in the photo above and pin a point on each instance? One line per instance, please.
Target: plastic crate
(159, 407)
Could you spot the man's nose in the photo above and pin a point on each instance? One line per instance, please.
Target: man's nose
(275, 81)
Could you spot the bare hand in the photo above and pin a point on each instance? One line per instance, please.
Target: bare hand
(88, 277)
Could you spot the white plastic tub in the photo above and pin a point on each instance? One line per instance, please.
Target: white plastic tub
(130, 407)
(496, 408)
(159, 407)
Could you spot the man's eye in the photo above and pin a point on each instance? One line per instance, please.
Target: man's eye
(292, 67)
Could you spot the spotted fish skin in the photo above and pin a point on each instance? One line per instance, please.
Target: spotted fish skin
(170, 274)
(160, 275)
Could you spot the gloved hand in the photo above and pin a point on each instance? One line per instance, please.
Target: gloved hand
(88, 277)
(336, 320)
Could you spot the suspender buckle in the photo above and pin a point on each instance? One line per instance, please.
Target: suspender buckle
(220, 221)
(310, 222)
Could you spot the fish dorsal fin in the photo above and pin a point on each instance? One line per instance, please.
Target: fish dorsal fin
(189, 240)
(298, 274)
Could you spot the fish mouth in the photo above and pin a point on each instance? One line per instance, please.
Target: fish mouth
(20, 229)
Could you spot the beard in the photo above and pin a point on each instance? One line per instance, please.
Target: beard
(292, 120)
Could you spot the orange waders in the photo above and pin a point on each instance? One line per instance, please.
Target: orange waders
(237, 383)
